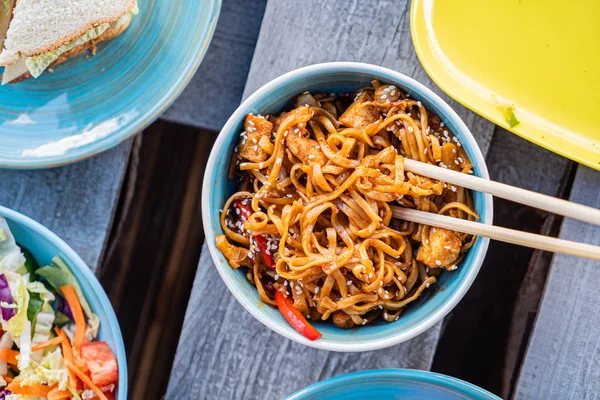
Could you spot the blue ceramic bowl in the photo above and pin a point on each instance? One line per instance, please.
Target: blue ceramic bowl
(90, 104)
(391, 384)
(44, 245)
(276, 96)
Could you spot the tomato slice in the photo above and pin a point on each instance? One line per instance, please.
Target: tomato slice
(101, 362)
(295, 317)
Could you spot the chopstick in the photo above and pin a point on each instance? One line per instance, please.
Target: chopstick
(543, 202)
(498, 233)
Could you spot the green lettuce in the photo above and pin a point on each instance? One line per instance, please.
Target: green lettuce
(58, 277)
(11, 258)
(5, 7)
(38, 64)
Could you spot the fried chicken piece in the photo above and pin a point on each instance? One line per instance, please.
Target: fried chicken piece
(307, 150)
(358, 116)
(257, 129)
(442, 249)
(237, 256)
(342, 320)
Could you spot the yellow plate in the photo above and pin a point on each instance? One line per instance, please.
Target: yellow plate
(530, 66)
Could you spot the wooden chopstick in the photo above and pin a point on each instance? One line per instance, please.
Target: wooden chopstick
(498, 233)
(543, 202)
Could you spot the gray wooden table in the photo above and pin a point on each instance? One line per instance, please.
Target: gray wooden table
(234, 357)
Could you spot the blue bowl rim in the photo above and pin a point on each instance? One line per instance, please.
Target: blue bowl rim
(221, 145)
(143, 121)
(414, 374)
(81, 266)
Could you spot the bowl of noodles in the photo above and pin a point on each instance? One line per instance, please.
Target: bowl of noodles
(298, 207)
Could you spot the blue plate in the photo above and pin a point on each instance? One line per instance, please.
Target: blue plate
(44, 245)
(92, 103)
(387, 384)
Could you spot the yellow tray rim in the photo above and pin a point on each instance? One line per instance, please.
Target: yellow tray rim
(552, 140)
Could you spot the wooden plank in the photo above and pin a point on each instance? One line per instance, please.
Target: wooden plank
(482, 353)
(76, 201)
(562, 356)
(150, 289)
(223, 351)
(216, 90)
(342, 30)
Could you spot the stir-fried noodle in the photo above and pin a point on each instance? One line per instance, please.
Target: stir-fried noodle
(312, 217)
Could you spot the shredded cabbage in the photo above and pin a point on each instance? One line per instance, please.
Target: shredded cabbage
(25, 347)
(18, 289)
(11, 258)
(51, 370)
(42, 325)
(6, 342)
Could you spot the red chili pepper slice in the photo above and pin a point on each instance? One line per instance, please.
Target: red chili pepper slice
(295, 317)
(261, 242)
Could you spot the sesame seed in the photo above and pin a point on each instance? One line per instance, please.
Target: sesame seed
(438, 262)
(419, 103)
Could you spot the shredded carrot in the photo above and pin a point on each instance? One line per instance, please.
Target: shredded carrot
(10, 356)
(52, 342)
(68, 356)
(56, 394)
(73, 301)
(7, 378)
(86, 379)
(29, 390)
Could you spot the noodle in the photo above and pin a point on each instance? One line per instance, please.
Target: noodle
(312, 216)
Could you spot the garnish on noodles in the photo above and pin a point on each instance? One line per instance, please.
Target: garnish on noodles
(311, 220)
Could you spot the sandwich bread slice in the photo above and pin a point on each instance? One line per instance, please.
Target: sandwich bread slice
(42, 33)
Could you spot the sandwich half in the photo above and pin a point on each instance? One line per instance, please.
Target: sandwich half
(41, 33)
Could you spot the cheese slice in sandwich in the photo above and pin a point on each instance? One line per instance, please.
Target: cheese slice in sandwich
(42, 33)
